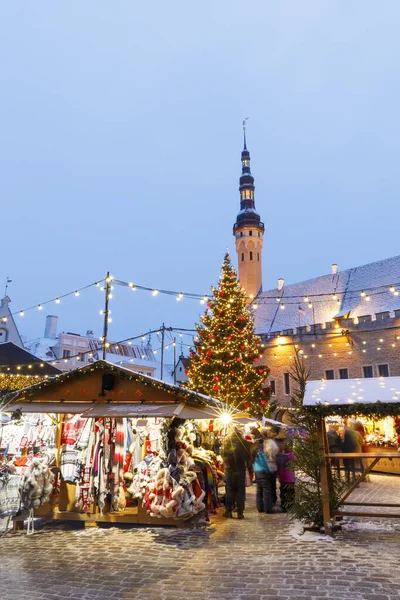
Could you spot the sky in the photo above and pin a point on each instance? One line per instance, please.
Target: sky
(121, 133)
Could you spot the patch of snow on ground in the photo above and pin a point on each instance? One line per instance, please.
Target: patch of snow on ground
(296, 530)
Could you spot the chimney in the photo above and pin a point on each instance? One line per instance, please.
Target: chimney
(281, 283)
(51, 327)
(334, 269)
(89, 333)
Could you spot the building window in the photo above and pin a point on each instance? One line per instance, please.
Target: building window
(368, 372)
(259, 234)
(66, 353)
(148, 373)
(258, 256)
(272, 386)
(383, 370)
(330, 374)
(82, 358)
(343, 373)
(251, 255)
(241, 234)
(250, 233)
(242, 256)
(286, 380)
(3, 335)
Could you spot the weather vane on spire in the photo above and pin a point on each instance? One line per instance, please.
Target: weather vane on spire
(244, 131)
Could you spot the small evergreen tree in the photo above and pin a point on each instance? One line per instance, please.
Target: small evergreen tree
(225, 360)
(307, 506)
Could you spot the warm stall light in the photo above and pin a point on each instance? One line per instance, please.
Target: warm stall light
(225, 418)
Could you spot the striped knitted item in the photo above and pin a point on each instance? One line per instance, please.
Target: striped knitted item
(118, 462)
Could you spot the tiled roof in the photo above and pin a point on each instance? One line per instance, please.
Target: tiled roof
(348, 284)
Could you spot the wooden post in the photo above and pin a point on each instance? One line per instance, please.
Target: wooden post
(106, 314)
(174, 360)
(323, 443)
(162, 350)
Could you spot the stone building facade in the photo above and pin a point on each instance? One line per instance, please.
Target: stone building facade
(342, 349)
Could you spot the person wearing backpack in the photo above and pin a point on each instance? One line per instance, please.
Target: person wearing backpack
(263, 476)
(286, 476)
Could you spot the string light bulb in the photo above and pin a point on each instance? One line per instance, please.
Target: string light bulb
(310, 305)
(362, 294)
(155, 292)
(76, 293)
(282, 306)
(367, 298)
(179, 296)
(334, 297)
(57, 300)
(392, 289)
(21, 313)
(40, 307)
(305, 298)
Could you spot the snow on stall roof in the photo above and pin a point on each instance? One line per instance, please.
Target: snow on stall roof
(349, 391)
(269, 317)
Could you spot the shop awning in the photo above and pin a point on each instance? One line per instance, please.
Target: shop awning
(72, 408)
(103, 409)
(351, 391)
(181, 410)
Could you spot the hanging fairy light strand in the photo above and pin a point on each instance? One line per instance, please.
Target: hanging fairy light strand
(57, 300)
(333, 295)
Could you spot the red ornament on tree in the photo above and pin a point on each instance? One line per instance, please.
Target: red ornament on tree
(242, 347)
(215, 388)
(262, 401)
(238, 358)
(209, 352)
(241, 317)
(261, 371)
(217, 378)
(243, 389)
(246, 405)
(255, 359)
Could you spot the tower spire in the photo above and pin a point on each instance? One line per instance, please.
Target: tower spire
(248, 229)
(244, 133)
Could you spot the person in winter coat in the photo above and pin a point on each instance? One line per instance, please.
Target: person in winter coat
(271, 449)
(286, 476)
(263, 477)
(352, 442)
(335, 446)
(236, 456)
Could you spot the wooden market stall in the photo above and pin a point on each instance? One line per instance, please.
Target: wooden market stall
(376, 399)
(103, 391)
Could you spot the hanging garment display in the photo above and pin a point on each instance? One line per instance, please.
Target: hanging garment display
(10, 497)
(36, 485)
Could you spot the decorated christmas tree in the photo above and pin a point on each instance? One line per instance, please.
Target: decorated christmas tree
(225, 360)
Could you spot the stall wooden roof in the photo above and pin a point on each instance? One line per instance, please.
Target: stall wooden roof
(86, 389)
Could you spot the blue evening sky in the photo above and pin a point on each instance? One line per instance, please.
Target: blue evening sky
(121, 136)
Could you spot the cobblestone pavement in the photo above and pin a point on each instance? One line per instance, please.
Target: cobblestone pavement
(260, 558)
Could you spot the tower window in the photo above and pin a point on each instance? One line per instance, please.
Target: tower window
(250, 233)
(251, 255)
(242, 256)
(258, 256)
(259, 234)
(246, 162)
(241, 234)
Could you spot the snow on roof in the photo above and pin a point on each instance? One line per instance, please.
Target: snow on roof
(347, 284)
(350, 391)
(42, 348)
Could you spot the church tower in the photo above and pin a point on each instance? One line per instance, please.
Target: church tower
(248, 231)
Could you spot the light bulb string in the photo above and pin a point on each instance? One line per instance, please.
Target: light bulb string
(60, 297)
(381, 289)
